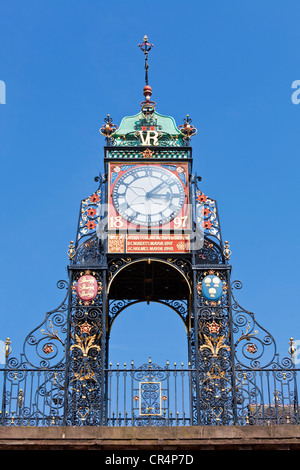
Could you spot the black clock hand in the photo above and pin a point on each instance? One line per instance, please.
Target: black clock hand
(150, 193)
(160, 196)
(133, 189)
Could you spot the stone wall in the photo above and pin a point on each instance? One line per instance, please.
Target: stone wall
(152, 439)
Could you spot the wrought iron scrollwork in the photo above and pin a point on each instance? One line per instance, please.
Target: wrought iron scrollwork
(210, 253)
(266, 387)
(88, 253)
(115, 307)
(33, 392)
(254, 346)
(46, 343)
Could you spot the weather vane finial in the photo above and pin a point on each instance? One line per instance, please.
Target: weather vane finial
(146, 47)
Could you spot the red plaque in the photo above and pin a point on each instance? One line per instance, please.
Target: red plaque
(87, 287)
(157, 243)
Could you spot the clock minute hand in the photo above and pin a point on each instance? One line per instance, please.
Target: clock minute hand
(153, 191)
(160, 196)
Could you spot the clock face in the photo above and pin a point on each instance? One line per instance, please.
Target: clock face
(148, 196)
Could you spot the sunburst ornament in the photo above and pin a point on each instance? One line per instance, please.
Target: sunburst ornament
(85, 327)
(213, 327)
(147, 153)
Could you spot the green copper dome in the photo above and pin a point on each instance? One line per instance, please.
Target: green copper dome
(166, 124)
(163, 127)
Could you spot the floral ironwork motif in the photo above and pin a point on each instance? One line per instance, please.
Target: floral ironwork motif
(214, 345)
(89, 215)
(86, 344)
(207, 215)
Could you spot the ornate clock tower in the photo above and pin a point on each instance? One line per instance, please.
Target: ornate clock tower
(149, 234)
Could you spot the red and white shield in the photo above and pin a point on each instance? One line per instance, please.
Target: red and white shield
(87, 287)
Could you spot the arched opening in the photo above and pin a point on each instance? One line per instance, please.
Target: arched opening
(144, 330)
(150, 290)
(149, 279)
(148, 375)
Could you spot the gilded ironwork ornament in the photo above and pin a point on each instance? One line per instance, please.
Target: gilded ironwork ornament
(7, 348)
(71, 250)
(108, 128)
(292, 349)
(187, 129)
(214, 345)
(86, 344)
(227, 252)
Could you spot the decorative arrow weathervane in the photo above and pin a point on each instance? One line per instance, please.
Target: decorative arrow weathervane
(146, 47)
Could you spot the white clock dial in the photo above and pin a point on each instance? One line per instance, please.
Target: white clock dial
(148, 196)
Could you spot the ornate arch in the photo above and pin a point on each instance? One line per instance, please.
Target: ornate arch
(181, 265)
(181, 307)
(131, 281)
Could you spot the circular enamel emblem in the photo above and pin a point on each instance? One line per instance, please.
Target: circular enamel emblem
(212, 287)
(87, 287)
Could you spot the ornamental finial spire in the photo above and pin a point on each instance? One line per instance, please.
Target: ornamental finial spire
(147, 106)
(146, 47)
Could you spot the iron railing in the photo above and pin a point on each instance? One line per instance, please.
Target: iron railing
(153, 396)
(149, 396)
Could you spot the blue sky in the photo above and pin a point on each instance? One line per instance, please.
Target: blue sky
(229, 65)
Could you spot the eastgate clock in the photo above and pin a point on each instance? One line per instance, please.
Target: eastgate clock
(149, 195)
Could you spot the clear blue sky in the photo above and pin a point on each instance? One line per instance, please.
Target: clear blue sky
(229, 65)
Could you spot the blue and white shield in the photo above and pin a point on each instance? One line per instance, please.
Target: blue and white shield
(212, 287)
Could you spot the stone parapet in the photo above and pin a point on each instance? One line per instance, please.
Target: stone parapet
(191, 438)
